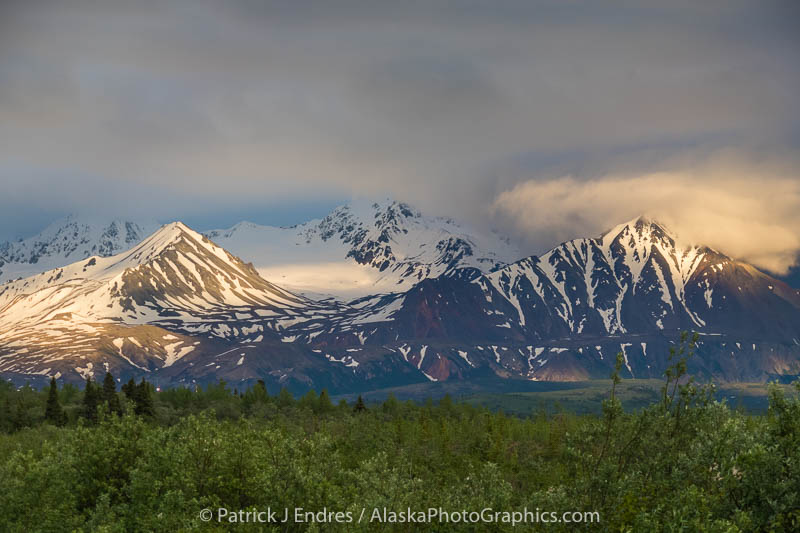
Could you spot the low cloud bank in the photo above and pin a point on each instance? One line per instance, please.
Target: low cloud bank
(748, 208)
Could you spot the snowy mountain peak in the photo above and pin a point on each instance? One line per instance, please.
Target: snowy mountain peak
(638, 231)
(166, 236)
(68, 240)
(115, 309)
(592, 281)
(366, 247)
(176, 272)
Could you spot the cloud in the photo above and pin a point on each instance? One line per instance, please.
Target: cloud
(192, 106)
(745, 206)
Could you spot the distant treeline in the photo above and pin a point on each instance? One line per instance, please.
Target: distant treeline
(102, 459)
(26, 407)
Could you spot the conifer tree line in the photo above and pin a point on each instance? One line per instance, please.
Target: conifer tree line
(104, 397)
(96, 399)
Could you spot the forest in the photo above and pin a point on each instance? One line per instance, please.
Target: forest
(104, 458)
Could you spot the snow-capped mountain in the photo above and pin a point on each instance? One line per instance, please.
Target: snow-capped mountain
(175, 272)
(66, 241)
(565, 314)
(366, 248)
(175, 305)
(175, 277)
(181, 309)
(357, 250)
(638, 277)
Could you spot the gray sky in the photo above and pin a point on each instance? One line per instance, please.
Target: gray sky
(526, 115)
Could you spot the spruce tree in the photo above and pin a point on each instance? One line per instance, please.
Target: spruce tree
(53, 412)
(143, 400)
(110, 394)
(90, 401)
(360, 407)
(129, 389)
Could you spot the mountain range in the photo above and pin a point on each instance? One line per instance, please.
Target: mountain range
(66, 241)
(378, 295)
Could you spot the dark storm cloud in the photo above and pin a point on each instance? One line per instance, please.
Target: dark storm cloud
(450, 105)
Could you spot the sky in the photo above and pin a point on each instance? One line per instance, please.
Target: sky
(546, 119)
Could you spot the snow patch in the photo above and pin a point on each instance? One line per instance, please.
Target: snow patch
(625, 356)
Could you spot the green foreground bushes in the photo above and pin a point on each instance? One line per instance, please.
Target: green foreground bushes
(687, 463)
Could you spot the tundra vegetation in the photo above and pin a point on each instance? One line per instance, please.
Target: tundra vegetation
(107, 460)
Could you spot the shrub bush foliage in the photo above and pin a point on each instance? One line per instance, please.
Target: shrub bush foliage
(150, 461)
